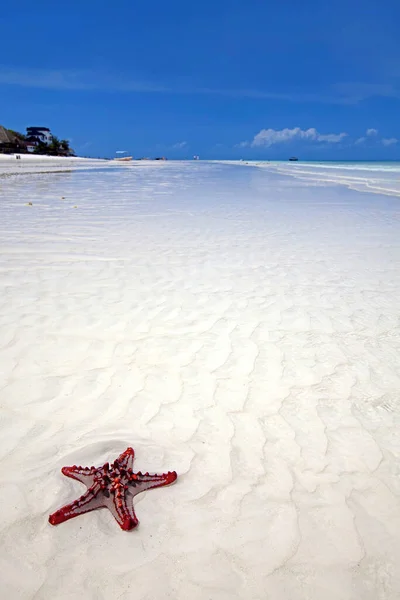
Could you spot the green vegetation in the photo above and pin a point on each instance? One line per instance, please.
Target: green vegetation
(55, 148)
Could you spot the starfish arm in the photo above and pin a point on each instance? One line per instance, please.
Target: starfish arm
(139, 482)
(125, 460)
(86, 503)
(85, 475)
(122, 511)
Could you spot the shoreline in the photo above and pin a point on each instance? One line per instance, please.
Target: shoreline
(373, 181)
(376, 181)
(30, 164)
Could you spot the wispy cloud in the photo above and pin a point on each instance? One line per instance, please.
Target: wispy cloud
(355, 92)
(269, 137)
(73, 79)
(179, 145)
(372, 137)
(292, 96)
(40, 78)
(370, 133)
(89, 80)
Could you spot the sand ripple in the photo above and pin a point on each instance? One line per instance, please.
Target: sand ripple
(228, 323)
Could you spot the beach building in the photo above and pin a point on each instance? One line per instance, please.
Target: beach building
(30, 146)
(34, 135)
(10, 143)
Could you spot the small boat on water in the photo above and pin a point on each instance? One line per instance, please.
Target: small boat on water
(293, 158)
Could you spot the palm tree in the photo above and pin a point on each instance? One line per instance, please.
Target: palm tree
(65, 147)
(41, 148)
(55, 148)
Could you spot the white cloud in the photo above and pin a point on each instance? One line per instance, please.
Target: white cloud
(373, 133)
(332, 138)
(179, 145)
(370, 133)
(269, 137)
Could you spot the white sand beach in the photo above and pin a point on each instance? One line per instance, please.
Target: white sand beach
(234, 324)
(22, 163)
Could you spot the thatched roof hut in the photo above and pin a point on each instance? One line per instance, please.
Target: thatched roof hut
(9, 142)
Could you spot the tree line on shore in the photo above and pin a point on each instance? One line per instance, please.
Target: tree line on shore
(56, 147)
(14, 141)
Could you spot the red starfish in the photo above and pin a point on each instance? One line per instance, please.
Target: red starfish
(108, 487)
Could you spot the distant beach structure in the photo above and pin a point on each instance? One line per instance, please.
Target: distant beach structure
(123, 158)
(10, 141)
(36, 136)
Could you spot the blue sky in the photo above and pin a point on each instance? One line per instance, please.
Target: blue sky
(223, 79)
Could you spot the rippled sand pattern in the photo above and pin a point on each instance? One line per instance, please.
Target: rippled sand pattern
(229, 323)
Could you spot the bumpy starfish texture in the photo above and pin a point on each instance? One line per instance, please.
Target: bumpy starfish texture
(110, 486)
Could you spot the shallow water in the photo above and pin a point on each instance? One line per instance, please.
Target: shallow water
(232, 323)
(376, 177)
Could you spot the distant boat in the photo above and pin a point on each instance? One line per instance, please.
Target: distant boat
(293, 158)
(124, 158)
